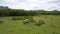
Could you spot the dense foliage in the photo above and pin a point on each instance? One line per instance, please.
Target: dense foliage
(21, 12)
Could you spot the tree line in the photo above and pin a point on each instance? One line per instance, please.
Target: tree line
(21, 12)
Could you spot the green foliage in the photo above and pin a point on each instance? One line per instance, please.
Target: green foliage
(17, 18)
(21, 12)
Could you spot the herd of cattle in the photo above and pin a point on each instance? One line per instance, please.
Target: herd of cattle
(26, 21)
(40, 22)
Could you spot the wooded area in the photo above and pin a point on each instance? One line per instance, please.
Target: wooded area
(21, 12)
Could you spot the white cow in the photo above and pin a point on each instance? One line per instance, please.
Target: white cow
(26, 21)
(1, 21)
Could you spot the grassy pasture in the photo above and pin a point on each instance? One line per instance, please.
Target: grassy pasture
(51, 26)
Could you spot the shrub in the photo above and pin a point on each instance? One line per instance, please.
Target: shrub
(17, 18)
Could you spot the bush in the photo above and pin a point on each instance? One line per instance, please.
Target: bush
(17, 18)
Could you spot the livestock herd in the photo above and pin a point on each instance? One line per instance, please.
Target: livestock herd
(27, 21)
(40, 22)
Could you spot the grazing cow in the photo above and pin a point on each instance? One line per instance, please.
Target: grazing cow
(1, 21)
(26, 21)
(42, 21)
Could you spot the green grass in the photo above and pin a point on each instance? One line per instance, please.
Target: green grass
(51, 26)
